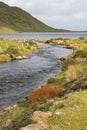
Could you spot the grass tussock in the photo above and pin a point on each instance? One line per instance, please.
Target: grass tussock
(74, 71)
(9, 48)
(44, 93)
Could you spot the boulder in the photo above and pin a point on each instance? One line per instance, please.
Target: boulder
(20, 57)
(57, 112)
(33, 127)
(38, 116)
(13, 57)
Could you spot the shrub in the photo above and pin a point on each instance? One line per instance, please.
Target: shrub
(46, 92)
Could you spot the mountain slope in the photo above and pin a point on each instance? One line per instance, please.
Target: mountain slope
(15, 19)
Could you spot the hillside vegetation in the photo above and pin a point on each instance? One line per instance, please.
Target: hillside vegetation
(14, 19)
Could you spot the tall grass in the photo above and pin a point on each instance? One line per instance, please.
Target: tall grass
(10, 47)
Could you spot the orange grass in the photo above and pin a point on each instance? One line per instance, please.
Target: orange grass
(44, 93)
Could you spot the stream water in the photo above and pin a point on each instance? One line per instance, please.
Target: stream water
(18, 77)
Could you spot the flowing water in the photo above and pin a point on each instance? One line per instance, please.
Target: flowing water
(18, 77)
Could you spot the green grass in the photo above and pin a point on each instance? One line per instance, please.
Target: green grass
(73, 114)
(81, 53)
(7, 30)
(75, 64)
(20, 115)
(16, 48)
(17, 117)
(58, 79)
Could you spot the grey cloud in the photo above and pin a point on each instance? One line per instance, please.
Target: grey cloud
(69, 14)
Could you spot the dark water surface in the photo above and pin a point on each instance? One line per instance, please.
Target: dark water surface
(18, 77)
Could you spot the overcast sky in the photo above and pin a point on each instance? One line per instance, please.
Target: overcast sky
(64, 14)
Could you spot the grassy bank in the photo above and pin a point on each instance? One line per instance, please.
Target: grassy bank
(64, 96)
(15, 49)
(75, 65)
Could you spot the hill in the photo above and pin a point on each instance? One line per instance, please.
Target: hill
(14, 19)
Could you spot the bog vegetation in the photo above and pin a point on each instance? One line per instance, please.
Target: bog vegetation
(10, 49)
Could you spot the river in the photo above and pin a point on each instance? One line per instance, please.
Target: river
(18, 77)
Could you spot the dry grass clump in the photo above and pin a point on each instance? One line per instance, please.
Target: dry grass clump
(74, 71)
(4, 58)
(46, 92)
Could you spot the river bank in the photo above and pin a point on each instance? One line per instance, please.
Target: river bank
(52, 112)
(18, 77)
(15, 49)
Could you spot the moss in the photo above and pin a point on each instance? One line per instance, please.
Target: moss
(58, 79)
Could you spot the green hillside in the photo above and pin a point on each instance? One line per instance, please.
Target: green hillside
(14, 19)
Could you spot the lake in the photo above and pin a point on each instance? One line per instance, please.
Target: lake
(47, 35)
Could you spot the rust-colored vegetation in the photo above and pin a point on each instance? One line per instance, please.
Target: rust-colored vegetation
(46, 92)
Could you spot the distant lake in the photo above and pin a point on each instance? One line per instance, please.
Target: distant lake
(44, 35)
